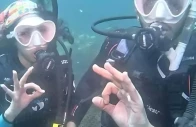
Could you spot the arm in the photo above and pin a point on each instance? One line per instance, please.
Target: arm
(18, 102)
(8, 117)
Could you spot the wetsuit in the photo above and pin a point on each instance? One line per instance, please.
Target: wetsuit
(164, 98)
(41, 112)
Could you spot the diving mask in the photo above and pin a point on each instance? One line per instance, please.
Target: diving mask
(32, 30)
(169, 11)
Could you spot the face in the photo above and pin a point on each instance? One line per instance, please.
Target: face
(172, 30)
(32, 38)
(28, 52)
(171, 14)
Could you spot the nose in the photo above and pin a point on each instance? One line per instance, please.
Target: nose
(37, 39)
(160, 12)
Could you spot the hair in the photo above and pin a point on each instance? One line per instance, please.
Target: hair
(8, 46)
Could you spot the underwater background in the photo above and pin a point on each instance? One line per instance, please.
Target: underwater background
(79, 15)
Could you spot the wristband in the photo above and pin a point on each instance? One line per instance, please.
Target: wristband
(4, 122)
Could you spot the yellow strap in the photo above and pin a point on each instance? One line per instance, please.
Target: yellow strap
(57, 125)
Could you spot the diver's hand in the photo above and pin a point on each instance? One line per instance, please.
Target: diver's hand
(20, 99)
(129, 111)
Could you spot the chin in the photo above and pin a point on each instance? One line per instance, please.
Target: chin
(33, 60)
(32, 57)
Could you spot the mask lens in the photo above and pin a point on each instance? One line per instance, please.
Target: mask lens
(175, 6)
(47, 31)
(149, 4)
(23, 33)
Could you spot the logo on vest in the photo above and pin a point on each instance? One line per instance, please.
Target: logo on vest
(64, 61)
(155, 111)
(39, 105)
(6, 79)
(188, 58)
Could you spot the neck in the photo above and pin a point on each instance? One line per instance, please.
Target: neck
(24, 61)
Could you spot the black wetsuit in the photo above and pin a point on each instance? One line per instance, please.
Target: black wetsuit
(164, 98)
(41, 112)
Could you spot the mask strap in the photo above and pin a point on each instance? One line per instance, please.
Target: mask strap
(10, 35)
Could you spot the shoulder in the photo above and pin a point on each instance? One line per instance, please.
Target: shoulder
(4, 59)
(5, 67)
(5, 75)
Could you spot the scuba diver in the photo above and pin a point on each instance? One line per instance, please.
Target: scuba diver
(159, 57)
(41, 96)
(37, 83)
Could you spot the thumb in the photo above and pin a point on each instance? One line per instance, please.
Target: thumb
(99, 102)
(37, 94)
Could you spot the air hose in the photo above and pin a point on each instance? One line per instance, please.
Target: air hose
(189, 114)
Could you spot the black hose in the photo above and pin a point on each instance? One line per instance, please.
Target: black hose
(189, 114)
(70, 71)
(70, 80)
(122, 35)
(191, 108)
(55, 10)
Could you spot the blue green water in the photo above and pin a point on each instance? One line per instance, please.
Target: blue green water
(79, 16)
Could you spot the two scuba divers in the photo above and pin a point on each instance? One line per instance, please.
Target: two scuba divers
(41, 96)
(38, 82)
(159, 57)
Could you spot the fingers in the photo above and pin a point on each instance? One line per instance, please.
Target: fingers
(24, 78)
(16, 82)
(109, 89)
(122, 80)
(130, 88)
(102, 72)
(33, 86)
(38, 91)
(99, 102)
(36, 94)
(117, 74)
(7, 90)
(105, 74)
